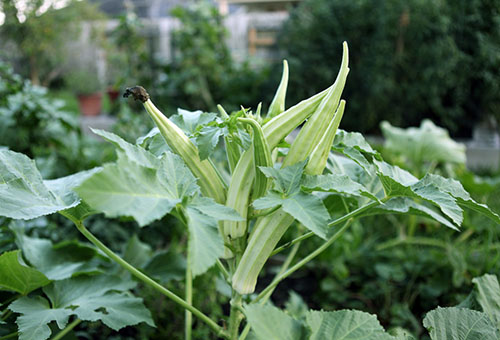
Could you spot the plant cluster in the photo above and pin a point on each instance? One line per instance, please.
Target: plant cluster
(414, 59)
(235, 217)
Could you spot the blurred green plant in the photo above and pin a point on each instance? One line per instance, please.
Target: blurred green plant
(202, 73)
(37, 125)
(414, 59)
(38, 33)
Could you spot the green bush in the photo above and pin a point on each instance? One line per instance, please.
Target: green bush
(413, 59)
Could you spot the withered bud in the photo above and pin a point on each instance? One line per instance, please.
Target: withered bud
(137, 92)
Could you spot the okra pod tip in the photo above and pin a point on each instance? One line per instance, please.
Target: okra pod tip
(137, 92)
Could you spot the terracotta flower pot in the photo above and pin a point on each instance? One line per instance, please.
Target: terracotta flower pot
(90, 104)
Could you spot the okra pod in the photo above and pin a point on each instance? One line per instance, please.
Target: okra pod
(209, 180)
(278, 104)
(261, 157)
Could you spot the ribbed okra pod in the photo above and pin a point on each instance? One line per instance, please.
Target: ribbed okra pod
(315, 138)
(208, 179)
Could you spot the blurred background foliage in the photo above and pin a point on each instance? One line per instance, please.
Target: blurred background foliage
(410, 60)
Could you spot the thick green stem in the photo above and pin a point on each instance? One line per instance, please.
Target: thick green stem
(67, 329)
(189, 298)
(147, 280)
(235, 316)
(303, 262)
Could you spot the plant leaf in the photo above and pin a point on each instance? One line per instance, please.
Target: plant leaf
(188, 121)
(459, 324)
(88, 298)
(398, 182)
(16, 276)
(405, 205)
(205, 243)
(23, 194)
(270, 323)
(166, 266)
(207, 139)
(488, 296)
(340, 184)
(137, 253)
(271, 200)
(345, 325)
(287, 179)
(308, 210)
(455, 189)
(134, 152)
(128, 189)
(426, 143)
(59, 262)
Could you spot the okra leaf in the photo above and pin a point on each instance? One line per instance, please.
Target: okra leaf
(166, 266)
(23, 194)
(455, 189)
(154, 142)
(60, 261)
(134, 152)
(129, 189)
(209, 207)
(207, 139)
(425, 143)
(353, 140)
(345, 325)
(271, 200)
(188, 121)
(398, 182)
(104, 298)
(16, 276)
(459, 324)
(137, 253)
(287, 179)
(340, 184)
(488, 296)
(271, 323)
(308, 210)
(405, 205)
(205, 243)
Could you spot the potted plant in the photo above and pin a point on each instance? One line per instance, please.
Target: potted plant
(87, 87)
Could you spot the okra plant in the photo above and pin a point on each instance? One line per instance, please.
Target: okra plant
(236, 214)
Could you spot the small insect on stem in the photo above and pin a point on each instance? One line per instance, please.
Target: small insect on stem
(137, 92)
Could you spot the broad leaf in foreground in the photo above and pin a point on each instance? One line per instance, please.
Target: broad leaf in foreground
(345, 325)
(23, 194)
(488, 296)
(129, 189)
(61, 262)
(88, 298)
(16, 276)
(459, 324)
(270, 323)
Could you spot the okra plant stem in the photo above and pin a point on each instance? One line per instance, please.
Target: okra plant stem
(147, 280)
(9, 336)
(189, 297)
(67, 329)
(331, 224)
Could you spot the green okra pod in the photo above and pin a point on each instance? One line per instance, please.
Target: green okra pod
(209, 180)
(261, 157)
(278, 104)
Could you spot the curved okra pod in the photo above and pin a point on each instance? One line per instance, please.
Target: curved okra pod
(278, 104)
(209, 180)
